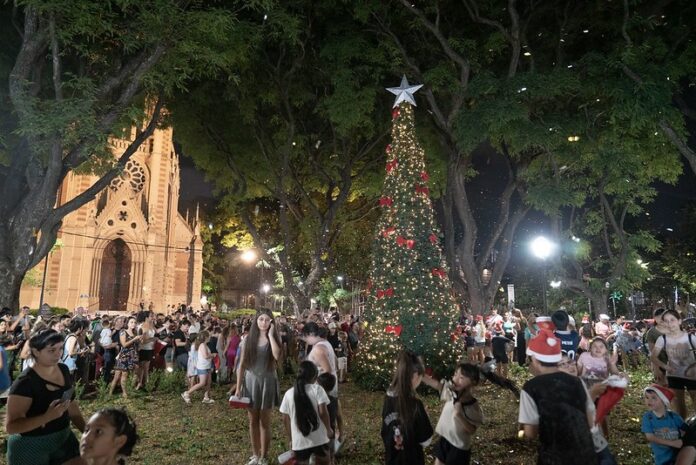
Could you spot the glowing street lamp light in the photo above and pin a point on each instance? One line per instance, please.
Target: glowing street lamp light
(555, 284)
(265, 288)
(542, 248)
(249, 255)
(340, 280)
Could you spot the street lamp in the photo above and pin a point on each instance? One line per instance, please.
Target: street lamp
(340, 280)
(248, 256)
(542, 248)
(265, 288)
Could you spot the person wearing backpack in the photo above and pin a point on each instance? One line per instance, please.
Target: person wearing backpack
(679, 346)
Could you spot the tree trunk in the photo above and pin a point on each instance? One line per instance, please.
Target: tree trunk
(300, 302)
(10, 283)
(599, 304)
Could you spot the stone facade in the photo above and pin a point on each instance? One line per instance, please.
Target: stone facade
(130, 244)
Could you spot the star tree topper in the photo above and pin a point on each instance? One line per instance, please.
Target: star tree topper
(405, 92)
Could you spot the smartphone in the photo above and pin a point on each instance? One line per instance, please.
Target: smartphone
(67, 395)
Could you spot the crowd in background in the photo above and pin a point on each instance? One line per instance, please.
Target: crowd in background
(574, 364)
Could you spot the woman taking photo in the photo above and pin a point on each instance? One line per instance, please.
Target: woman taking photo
(40, 408)
(127, 358)
(257, 379)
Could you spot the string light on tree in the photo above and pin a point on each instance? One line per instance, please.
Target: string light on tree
(409, 304)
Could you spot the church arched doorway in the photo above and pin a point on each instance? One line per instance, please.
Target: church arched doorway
(115, 276)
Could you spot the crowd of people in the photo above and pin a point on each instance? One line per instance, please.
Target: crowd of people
(54, 352)
(574, 365)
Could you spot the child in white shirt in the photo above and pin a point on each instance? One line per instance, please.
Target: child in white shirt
(306, 417)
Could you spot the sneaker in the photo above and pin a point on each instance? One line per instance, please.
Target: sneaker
(262, 461)
(186, 397)
(208, 400)
(253, 460)
(337, 443)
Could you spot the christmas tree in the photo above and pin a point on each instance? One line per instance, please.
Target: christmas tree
(409, 304)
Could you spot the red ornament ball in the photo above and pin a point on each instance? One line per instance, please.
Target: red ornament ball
(395, 113)
(388, 148)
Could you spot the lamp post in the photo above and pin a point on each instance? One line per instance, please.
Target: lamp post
(340, 280)
(542, 248)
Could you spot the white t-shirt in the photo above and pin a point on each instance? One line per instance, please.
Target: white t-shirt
(105, 337)
(319, 436)
(202, 362)
(680, 354)
(451, 426)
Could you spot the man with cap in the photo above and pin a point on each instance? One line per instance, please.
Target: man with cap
(662, 427)
(554, 407)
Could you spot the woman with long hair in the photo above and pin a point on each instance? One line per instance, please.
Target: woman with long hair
(680, 367)
(257, 379)
(204, 366)
(127, 358)
(146, 347)
(41, 407)
(406, 427)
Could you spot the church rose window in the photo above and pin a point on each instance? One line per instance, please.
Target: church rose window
(133, 175)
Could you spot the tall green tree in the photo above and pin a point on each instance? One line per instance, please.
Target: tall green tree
(294, 132)
(551, 94)
(74, 73)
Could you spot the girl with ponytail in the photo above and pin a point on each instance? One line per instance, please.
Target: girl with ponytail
(109, 438)
(406, 428)
(306, 417)
(461, 413)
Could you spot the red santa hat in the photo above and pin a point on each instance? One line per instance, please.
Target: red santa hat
(664, 394)
(545, 347)
(545, 323)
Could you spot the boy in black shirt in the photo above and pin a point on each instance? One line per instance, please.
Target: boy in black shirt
(554, 407)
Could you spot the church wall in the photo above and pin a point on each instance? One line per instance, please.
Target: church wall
(158, 273)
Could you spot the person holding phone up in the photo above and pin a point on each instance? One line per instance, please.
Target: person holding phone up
(258, 380)
(40, 408)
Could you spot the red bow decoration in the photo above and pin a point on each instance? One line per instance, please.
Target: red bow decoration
(388, 148)
(433, 238)
(385, 202)
(385, 293)
(393, 330)
(410, 243)
(438, 272)
(422, 190)
(400, 240)
(391, 165)
(390, 230)
(395, 113)
(424, 176)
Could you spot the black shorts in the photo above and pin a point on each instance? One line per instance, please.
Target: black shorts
(304, 454)
(681, 383)
(145, 355)
(450, 455)
(501, 358)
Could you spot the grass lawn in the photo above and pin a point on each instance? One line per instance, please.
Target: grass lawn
(173, 433)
